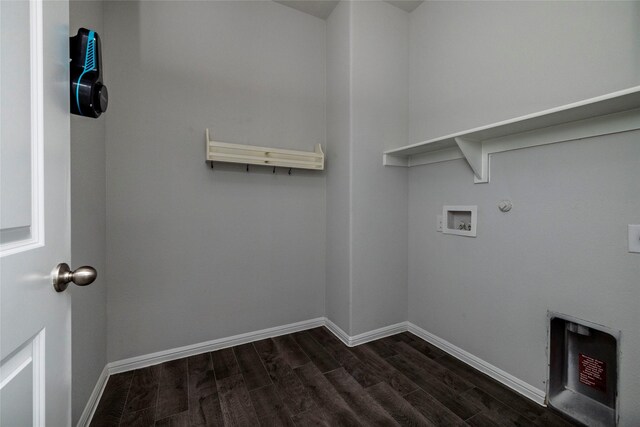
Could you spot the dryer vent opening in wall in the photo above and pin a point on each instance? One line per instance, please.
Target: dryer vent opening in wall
(583, 370)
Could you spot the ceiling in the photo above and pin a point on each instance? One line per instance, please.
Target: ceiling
(318, 8)
(323, 8)
(406, 5)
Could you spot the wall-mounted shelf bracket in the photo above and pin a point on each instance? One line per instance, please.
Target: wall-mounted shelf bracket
(603, 115)
(264, 156)
(474, 153)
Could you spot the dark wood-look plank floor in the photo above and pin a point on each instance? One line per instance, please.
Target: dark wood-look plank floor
(311, 378)
(111, 405)
(251, 367)
(286, 384)
(173, 392)
(143, 392)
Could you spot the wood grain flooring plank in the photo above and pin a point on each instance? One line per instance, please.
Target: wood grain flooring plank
(550, 419)
(396, 337)
(460, 406)
(312, 418)
(318, 355)
(290, 351)
(224, 363)
(237, 409)
(360, 402)
(288, 388)
(270, 409)
(251, 367)
(111, 405)
(326, 397)
(446, 376)
(202, 380)
(205, 411)
(496, 410)
(144, 389)
(360, 371)
(396, 379)
(173, 389)
(521, 404)
(279, 419)
(433, 410)
(397, 406)
(287, 384)
(481, 420)
(142, 418)
(383, 348)
(177, 420)
(429, 350)
(331, 344)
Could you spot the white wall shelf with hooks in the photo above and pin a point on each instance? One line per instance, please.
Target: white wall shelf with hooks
(611, 113)
(264, 156)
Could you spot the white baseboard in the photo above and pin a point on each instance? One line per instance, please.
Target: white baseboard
(145, 360)
(138, 362)
(94, 399)
(337, 331)
(207, 346)
(376, 334)
(517, 385)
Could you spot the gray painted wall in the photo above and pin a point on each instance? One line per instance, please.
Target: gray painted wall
(367, 102)
(88, 219)
(475, 63)
(195, 254)
(338, 190)
(563, 247)
(380, 70)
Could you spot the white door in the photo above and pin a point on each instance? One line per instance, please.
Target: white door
(35, 320)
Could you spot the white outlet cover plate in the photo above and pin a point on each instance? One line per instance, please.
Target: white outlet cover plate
(634, 238)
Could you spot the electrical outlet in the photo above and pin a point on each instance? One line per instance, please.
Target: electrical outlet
(439, 228)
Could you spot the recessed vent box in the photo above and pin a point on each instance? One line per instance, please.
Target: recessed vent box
(460, 220)
(583, 370)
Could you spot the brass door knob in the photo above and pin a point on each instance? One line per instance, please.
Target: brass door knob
(82, 276)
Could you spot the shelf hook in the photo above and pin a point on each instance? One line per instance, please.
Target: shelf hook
(289, 171)
(247, 167)
(274, 169)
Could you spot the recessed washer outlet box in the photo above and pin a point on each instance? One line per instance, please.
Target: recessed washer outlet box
(460, 220)
(583, 370)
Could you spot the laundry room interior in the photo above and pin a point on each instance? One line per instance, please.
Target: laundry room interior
(356, 213)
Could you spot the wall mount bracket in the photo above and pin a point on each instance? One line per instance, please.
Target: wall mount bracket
(603, 115)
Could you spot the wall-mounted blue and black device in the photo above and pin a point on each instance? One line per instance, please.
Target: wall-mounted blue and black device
(89, 97)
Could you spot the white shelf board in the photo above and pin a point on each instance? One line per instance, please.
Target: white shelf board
(622, 106)
(264, 156)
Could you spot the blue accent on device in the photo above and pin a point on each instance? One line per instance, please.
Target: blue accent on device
(89, 64)
(88, 95)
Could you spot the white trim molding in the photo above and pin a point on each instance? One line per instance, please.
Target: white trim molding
(30, 356)
(207, 346)
(337, 331)
(138, 362)
(516, 384)
(36, 61)
(143, 361)
(352, 341)
(94, 399)
(603, 115)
